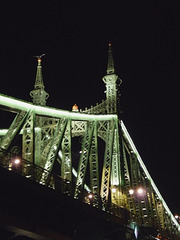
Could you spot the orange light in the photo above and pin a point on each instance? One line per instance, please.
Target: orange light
(75, 108)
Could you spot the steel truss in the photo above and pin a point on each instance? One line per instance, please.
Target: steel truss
(46, 137)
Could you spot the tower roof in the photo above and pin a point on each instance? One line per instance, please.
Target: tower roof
(110, 65)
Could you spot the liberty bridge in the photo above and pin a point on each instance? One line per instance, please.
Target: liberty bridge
(83, 169)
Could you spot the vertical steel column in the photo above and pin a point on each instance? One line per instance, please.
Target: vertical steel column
(37, 146)
(66, 165)
(94, 169)
(28, 145)
(115, 171)
(28, 138)
(107, 164)
(86, 145)
(127, 198)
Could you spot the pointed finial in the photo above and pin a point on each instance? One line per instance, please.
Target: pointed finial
(110, 66)
(39, 58)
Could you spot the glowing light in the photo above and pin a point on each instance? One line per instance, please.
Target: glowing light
(113, 190)
(131, 191)
(140, 191)
(90, 195)
(136, 232)
(17, 161)
(75, 108)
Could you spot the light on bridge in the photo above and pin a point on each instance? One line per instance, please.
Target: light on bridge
(113, 190)
(177, 217)
(139, 191)
(90, 196)
(16, 161)
(131, 191)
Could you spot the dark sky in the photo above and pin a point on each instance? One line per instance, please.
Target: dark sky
(74, 35)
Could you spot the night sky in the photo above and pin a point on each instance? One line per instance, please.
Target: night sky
(145, 37)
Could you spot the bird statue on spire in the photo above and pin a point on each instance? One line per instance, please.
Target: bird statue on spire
(39, 57)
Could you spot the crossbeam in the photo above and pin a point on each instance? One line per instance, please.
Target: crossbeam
(15, 105)
(52, 135)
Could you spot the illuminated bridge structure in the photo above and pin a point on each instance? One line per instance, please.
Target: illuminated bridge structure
(106, 173)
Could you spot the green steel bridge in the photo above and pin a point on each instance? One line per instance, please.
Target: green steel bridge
(62, 150)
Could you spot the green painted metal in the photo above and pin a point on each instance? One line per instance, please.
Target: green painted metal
(38, 94)
(94, 168)
(53, 151)
(110, 81)
(13, 130)
(47, 134)
(66, 166)
(28, 138)
(86, 146)
(105, 182)
(14, 105)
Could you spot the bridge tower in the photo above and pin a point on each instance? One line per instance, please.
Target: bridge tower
(110, 79)
(34, 126)
(38, 94)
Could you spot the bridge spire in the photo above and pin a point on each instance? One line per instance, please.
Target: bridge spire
(38, 94)
(111, 86)
(110, 65)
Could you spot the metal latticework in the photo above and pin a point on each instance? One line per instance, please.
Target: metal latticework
(107, 165)
(66, 167)
(86, 146)
(94, 168)
(118, 182)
